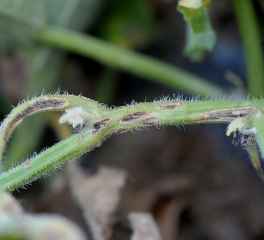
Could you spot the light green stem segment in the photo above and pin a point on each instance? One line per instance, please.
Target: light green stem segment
(104, 122)
(252, 46)
(255, 160)
(259, 124)
(139, 64)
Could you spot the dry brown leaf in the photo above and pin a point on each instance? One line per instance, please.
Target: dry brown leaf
(98, 196)
(144, 226)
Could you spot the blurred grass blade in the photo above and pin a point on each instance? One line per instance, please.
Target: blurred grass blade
(251, 39)
(130, 61)
(200, 35)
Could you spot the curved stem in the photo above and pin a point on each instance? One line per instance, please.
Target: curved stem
(106, 122)
(54, 102)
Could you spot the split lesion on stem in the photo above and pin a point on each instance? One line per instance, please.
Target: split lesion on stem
(32, 107)
(226, 115)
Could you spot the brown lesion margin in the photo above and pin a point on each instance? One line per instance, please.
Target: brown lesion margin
(34, 106)
(133, 117)
(150, 122)
(226, 115)
(99, 126)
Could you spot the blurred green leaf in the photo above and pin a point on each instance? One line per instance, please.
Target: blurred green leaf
(200, 35)
(77, 14)
(128, 23)
(24, 18)
(18, 22)
(20, 19)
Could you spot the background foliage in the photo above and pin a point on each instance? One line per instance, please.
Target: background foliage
(193, 180)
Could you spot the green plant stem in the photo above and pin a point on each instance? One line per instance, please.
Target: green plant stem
(258, 123)
(37, 105)
(119, 120)
(117, 57)
(252, 46)
(255, 160)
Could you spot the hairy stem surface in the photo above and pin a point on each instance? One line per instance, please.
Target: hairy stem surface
(101, 123)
